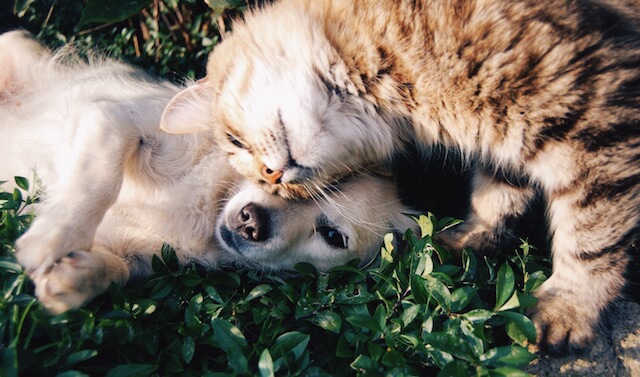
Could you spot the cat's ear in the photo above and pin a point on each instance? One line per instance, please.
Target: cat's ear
(189, 111)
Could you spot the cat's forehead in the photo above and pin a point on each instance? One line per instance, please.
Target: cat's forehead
(256, 93)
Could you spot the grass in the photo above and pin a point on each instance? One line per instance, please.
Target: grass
(418, 311)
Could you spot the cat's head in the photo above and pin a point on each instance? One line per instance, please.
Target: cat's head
(283, 107)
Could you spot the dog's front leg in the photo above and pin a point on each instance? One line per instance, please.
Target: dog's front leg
(78, 277)
(88, 185)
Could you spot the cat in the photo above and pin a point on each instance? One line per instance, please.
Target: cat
(115, 188)
(534, 96)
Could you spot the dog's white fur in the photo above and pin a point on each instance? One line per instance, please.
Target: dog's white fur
(115, 188)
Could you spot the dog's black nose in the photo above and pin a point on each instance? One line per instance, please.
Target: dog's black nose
(253, 223)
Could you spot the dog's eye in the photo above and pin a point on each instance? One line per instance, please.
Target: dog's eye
(232, 139)
(333, 237)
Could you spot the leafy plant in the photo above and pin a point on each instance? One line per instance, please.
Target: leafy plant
(169, 38)
(417, 311)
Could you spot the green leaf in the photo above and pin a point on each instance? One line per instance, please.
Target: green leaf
(507, 356)
(188, 349)
(293, 342)
(409, 313)
(386, 252)
(380, 315)
(258, 291)
(469, 264)
(22, 182)
(393, 359)
(527, 300)
(366, 365)
(213, 294)
(364, 321)
(425, 265)
(426, 225)
(477, 316)
(106, 12)
(6, 196)
(80, 356)
(265, 364)
(522, 323)
(329, 321)
(10, 266)
(190, 279)
(419, 290)
(438, 291)
(72, 373)
(461, 297)
(456, 368)
(17, 196)
(220, 6)
(233, 343)
(508, 372)
(452, 344)
(512, 303)
(162, 288)
(170, 258)
(306, 269)
(447, 223)
(534, 280)
(505, 285)
(20, 7)
(132, 370)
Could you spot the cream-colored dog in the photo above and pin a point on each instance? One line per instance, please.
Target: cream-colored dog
(115, 188)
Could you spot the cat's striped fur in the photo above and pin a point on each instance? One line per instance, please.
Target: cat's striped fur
(537, 95)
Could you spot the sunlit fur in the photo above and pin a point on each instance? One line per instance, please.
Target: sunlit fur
(537, 95)
(115, 188)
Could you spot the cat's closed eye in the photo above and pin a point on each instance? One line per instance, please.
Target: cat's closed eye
(233, 140)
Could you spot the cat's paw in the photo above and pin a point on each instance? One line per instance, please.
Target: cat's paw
(72, 281)
(564, 324)
(475, 235)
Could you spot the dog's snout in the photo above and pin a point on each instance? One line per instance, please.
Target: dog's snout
(253, 223)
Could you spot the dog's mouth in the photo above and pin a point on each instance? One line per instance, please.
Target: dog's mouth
(227, 238)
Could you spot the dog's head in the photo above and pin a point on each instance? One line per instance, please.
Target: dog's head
(266, 231)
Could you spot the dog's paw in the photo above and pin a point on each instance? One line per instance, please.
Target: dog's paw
(564, 325)
(72, 281)
(44, 244)
(34, 255)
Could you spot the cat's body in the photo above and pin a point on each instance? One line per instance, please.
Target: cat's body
(116, 188)
(536, 95)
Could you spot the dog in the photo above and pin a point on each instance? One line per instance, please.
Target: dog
(114, 188)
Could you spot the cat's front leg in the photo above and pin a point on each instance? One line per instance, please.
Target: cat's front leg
(593, 237)
(496, 205)
(78, 277)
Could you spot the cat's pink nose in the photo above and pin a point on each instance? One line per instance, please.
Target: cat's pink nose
(272, 176)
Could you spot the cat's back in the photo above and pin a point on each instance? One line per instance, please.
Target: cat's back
(494, 74)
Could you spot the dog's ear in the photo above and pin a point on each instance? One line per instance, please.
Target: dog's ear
(20, 51)
(189, 111)
(383, 169)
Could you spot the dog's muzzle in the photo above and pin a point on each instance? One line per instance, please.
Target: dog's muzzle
(246, 229)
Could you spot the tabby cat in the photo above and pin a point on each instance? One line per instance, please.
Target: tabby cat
(534, 96)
